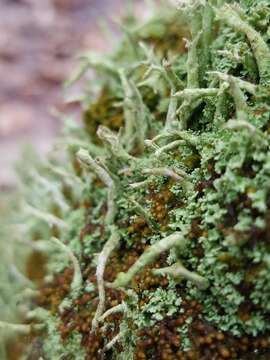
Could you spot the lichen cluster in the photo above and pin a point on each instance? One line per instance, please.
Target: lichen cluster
(153, 217)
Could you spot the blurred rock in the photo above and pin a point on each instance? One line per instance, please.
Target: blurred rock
(38, 43)
(15, 118)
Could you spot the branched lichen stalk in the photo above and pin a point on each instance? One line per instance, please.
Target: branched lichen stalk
(120, 308)
(195, 94)
(141, 211)
(20, 329)
(86, 159)
(165, 172)
(170, 146)
(103, 257)
(135, 115)
(77, 277)
(242, 124)
(171, 117)
(149, 256)
(193, 62)
(257, 43)
(235, 86)
(113, 142)
(115, 340)
(50, 219)
(207, 35)
(179, 272)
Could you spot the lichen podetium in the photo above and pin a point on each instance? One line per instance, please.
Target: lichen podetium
(154, 216)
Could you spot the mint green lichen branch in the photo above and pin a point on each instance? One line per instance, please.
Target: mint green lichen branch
(103, 257)
(177, 175)
(142, 212)
(195, 94)
(189, 138)
(48, 218)
(170, 146)
(20, 329)
(112, 142)
(86, 158)
(188, 105)
(171, 117)
(91, 60)
(207, 35)
(149, 256)
(77, 277)
(179, 272)
(260, 49)
(256, 133)
(120, 308)
(136, 115)
(244, 85)
(235, 86)
(193, 62)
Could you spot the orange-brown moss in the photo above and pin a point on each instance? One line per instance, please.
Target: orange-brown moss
(163, 341)
(35, 267)
(52, 294)
(162, 202)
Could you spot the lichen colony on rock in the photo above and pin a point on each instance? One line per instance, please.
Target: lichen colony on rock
(161, 201)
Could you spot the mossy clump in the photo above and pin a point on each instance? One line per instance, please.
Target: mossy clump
(154, 216)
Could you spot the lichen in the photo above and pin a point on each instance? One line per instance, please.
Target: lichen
(162, 199)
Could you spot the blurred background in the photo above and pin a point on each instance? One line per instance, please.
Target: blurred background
(39, 40)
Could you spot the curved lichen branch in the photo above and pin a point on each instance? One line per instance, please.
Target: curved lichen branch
(37, 245)
(112, 141)
(139, 184)
(20, 329)
(244, 85)
(173, 80)
(260, 49)
(179, 272)
(27, 294)
(50, 219)
(115, 340)
(189, 104)
(136, 115)
(175, 174)
(84, 156)
(77, 277)
(207, 35)
(188, 5)
(37, 314)
(66, 176)
(86, 159)
(235, 86)
(239, 100)
(51, 188)
(193, 62)
(195, 94)
(175, 134)
(141, 211)
(172, 145)
(91, 60)
(103, 257)
(242, 124)
(166, 71)
(171, 117)
(120, 308)
(149, 256)
(19, 276)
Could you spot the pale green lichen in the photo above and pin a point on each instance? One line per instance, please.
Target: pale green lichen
(193, 125)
